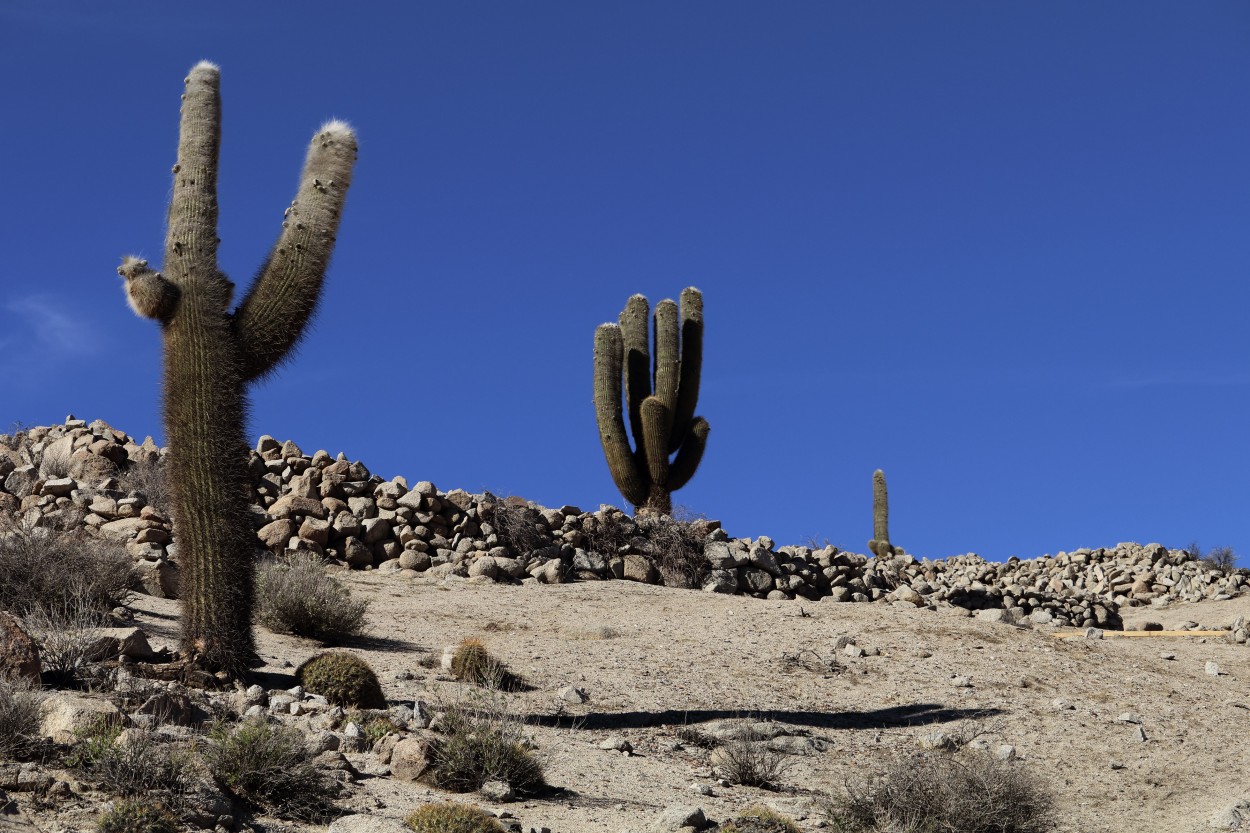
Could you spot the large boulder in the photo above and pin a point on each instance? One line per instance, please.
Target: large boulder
(19, 655)
(410, 758)
(65, 714)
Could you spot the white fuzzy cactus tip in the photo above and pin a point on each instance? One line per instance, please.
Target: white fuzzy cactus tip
(336, 127)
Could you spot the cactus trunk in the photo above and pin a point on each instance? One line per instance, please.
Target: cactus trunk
(204, 423)
(880, 543)
(211, 354)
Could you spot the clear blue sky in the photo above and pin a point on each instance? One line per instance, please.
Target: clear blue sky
(997, 249)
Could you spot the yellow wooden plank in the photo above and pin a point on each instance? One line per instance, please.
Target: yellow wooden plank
(1114, 634)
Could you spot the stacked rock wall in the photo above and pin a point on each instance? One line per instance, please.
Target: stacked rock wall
(100, 478)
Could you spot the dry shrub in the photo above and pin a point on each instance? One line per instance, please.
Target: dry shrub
(940, 793)
(269, 766)
(519, 527)
(749, 761)
(609, 531)
(1220, 558)
(60, 571)
(676, 549)
(67, 640)
(19, 718)
(299, 597)
(149, 476)
(142, 766)
(480, 742)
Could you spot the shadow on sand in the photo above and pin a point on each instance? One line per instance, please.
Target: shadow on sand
(915, 714)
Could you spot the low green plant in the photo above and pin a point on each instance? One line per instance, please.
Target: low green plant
(139, 816)
(93, 742)
(374, 727)
(451, 817)
(759, 820)
(270, 766)
(142, 766)
(297, 596)
(342, 678)
(477, 744)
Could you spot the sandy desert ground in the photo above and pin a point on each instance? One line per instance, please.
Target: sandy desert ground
(653, 659)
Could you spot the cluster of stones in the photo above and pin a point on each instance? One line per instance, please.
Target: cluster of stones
(337, 509)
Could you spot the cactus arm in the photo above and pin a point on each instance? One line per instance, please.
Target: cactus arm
(689, 455)
(667, 359)
(191, 239)
(634, 322)
(272, 318)
(147, 292)
(691, 367)
(609, 350)
(655, 421)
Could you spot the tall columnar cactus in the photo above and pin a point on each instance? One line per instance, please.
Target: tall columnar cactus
(660, 397)
(211, 354)
(880, 544)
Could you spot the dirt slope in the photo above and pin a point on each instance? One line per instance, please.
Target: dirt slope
(651, 659)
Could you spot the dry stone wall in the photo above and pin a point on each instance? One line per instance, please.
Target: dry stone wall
(100, 478)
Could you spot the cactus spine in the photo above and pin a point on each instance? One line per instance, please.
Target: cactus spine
(880, 544)
(660, 399)
(211, 354)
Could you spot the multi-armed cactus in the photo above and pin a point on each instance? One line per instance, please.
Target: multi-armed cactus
(663, 422)
(211, 354)
(880, 544)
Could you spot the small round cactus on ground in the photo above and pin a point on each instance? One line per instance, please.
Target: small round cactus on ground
(760, 820)
(451, 817)
(342, 678)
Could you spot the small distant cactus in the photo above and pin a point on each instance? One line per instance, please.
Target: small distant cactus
(136, 815)
(880, 544)
(759, 819)
(472, 663)
(660, 399)
(451, 817)
(211, 354)
(342, 678)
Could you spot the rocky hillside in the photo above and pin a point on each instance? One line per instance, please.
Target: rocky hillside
(91, 474)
